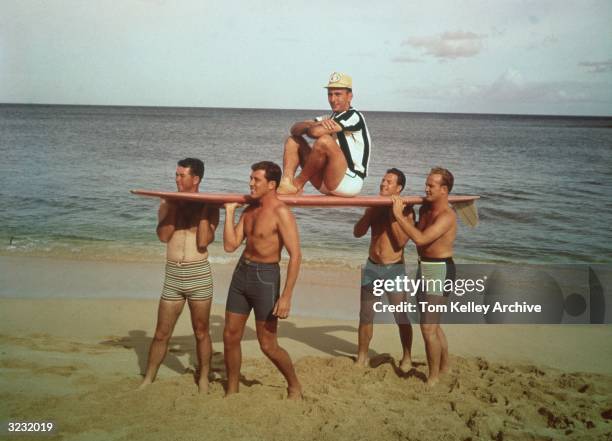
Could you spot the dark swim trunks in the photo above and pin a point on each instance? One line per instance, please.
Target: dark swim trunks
(254, 286)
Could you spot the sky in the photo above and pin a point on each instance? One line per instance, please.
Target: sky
(472, 56)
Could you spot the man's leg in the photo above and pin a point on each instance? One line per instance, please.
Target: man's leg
(232, 335)
(200, 315)
(325, 157)
(268, 342)
(364, 337)
(444, 364)
(433, 349)
(366, 325)
(405, 332)
(434, 345)
(295, 153)
(167, 314)
(325, 163)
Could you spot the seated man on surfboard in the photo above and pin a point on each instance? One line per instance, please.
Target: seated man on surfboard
(385, 261)
(267, 225)
(187, 228)
(337, 161)
(434, 236)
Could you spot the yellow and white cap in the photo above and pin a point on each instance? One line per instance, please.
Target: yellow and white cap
(340, 80)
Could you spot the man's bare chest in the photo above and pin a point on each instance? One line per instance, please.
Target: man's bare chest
(260, 224)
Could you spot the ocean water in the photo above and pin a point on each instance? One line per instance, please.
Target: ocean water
(66, 172)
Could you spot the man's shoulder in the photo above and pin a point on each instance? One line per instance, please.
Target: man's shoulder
(281, 207)
(348, 113)
(282, 211)
(447, 213)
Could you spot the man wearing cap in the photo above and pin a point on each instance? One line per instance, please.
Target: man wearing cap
(337, 161)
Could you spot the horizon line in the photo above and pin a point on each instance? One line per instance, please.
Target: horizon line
(305, 109)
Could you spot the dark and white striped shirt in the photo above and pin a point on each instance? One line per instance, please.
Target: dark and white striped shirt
(354, 140)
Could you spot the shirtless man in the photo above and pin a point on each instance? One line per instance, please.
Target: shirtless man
(434, 236)
(337, 161)
(187, 228)
(268, 225)
(385, 261)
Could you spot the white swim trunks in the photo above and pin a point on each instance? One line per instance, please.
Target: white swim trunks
(349, 186)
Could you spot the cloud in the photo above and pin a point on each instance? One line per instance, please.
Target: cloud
(406, 60)
(512, 88)
(597, 66)
(539, 41)
(449, 45)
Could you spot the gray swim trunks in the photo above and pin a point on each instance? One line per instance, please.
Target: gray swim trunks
(254, 286)
(375, 271)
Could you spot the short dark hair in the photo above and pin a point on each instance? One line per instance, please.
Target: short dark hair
(195, 165)
(401, 177)
(447, 177)
(273, 171)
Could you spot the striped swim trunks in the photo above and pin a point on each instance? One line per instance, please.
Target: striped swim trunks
(435, 274)
(188, 280)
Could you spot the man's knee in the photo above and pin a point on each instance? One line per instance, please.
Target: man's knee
(429, 332)
(268, 346)
(293, 141)
(201, 332)
(162, 335)
(325, 143)
(366, 316)
(401, 318)
(231, 336)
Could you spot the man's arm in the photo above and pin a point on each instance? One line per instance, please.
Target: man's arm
(166, 217)
(325, 127)
(441, 225)
(315, 129)
(233, 235)
(363, 225)
(300, 128)
(209, 219)
(288, 230)
(399, 235)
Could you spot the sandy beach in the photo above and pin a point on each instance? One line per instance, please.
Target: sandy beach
(74, 357)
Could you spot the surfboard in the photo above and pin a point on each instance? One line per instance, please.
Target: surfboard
(463, 204)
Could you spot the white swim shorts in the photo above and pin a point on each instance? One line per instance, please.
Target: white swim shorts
(349, 186)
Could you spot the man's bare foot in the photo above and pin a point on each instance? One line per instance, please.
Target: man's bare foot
(229, 392)
(294, 394)
(144, 384)
(203, 386)
(431, 382)
(362, 361)
(286, 186)
(406, 364)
